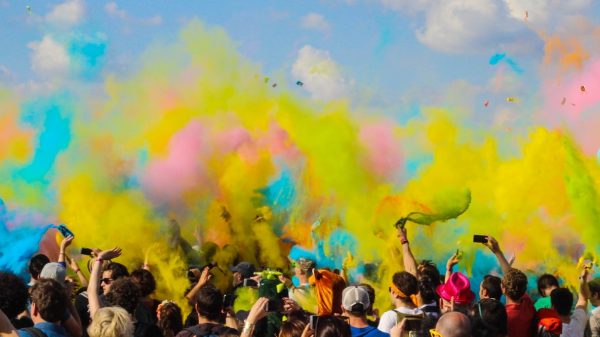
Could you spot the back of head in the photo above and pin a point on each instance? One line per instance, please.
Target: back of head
(170, 320)
(331, 326)
(594, 286)
(36, 263)
(355, 300)
(562, 301)
(145, 280)
(111, 322)
(124, 293)
(13, 295)
(454, 324)
(515, 284)
(292, 328)
(209, 302)
(492, 284)
(546, 281)
(50, 299)
(118, 270)
(406, 283)
(427, 288)
(489, 318)
(371, 291)
(429, 270)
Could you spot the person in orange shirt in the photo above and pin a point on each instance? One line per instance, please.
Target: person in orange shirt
(329, 287)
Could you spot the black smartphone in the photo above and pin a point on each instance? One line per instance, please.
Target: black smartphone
(312, 322)
(86, 251)
(228, 300)
(413, 324)
(480, 238)
(65, 231)
(248, 282)
(274, 306)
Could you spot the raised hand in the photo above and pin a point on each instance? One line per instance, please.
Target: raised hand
(66, 242)
(109, 254)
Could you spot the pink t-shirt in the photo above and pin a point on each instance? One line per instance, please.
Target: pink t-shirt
(520, 318)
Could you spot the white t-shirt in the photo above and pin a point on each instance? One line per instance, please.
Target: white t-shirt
(576, 327)
(390, 318)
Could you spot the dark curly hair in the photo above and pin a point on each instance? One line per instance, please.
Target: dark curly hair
(489, 318)
(145, 280)
(515, 284)
(50, 299)
(13, 294)
(118, 270)
(171, 320)
(36, 264)
(406, 282)
(125, 294)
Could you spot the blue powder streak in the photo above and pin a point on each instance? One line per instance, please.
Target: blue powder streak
(18, 245)
(497, 58)
(54, 138)
(281, 193)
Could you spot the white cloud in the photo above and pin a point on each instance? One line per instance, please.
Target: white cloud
(113, 10)
(320, 74)
(460, 26)
(316, 22)
(68, 13)
(5, 73)
(49, 58)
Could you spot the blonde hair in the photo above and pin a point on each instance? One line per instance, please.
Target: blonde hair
(111, 322)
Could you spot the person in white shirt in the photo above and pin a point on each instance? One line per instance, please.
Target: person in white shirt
(403, 291)
(573, 323)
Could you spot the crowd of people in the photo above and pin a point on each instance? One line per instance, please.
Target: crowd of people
(60, 301)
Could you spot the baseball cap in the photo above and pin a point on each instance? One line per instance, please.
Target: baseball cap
(55, 271)
(355, 299)
(244, 268)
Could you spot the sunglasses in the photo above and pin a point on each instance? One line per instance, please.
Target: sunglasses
(434, 333)
(106, 280)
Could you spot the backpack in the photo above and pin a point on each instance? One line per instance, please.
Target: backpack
(419, 324)
(35, 332)
(548, 323)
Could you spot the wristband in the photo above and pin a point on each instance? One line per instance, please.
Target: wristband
(77, 270)
(248, 327)
(403, 241)
(99, 260)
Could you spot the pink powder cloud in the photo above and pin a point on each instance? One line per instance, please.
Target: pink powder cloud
(167, 178)
(383, 150)
(580, 109)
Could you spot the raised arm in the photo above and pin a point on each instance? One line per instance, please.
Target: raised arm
(584, 290)
(205, 276)
(452, 261)
(410, 264)
(73, 323)
(94, 284)
(63, 247)
(73, 265)
(493, 245)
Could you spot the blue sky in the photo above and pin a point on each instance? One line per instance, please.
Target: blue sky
(389, 46)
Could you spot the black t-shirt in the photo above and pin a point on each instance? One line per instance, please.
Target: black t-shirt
(21, 323)
(146, 330)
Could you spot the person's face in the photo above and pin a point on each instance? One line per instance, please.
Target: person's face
(595, 300)
(106, 281)
(482, 292)
(548, 291)
(237, 278)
